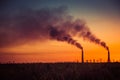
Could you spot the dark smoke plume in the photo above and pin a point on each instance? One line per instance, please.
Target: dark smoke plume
(82, 30)
(27, 25)
(61, 35)
(23, 26)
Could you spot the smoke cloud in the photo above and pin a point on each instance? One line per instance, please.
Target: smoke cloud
(21, 26)
(61, 35)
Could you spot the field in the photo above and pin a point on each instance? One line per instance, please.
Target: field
(60, 71)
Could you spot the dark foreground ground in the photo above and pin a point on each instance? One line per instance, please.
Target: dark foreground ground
(60, 71)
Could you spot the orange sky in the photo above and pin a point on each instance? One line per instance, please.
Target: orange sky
(104, 26)
(54, 51)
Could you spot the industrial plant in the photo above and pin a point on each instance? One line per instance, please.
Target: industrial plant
(82, 56)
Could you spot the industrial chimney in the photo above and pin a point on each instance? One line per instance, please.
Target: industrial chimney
(82, 57)
(108, 56)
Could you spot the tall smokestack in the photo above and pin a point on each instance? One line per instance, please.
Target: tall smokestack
(108, 55)
(82, 57)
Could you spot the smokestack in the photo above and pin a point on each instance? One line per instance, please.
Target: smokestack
(108, 55)
(82, 57)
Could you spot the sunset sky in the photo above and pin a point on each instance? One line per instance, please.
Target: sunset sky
(102, 17)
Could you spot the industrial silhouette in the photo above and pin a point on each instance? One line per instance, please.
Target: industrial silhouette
(108, 56)
(82, 57)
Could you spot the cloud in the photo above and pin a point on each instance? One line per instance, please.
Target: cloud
(26, 25)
